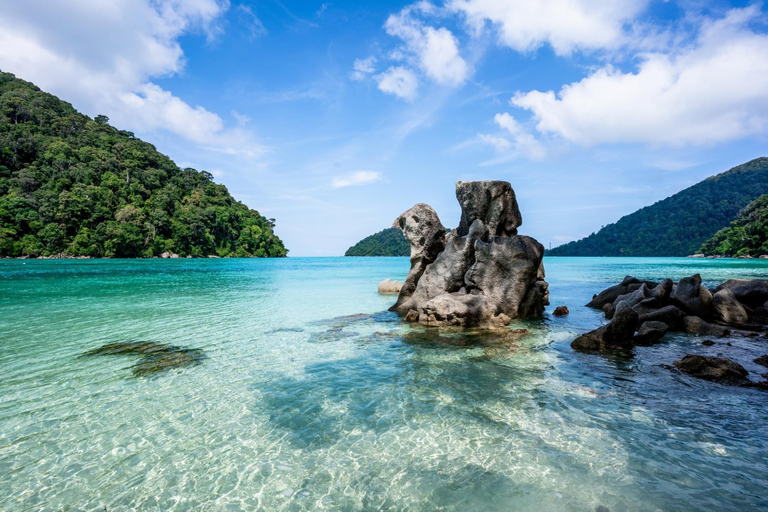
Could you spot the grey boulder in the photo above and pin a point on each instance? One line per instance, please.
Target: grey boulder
(691, 297)
(615, 335)
(650, 333)
(727, 310)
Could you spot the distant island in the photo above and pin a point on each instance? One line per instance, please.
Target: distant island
(746, 236)
(388, 242)
(679, 225)
(72, 186)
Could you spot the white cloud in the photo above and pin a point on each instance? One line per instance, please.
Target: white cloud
(356, 178)
(251, 22)
(399, 81)
(566, 25)
(523, 141)
(101, 57)
(435, 51)
(714, 90)
(500, 144)
(363, 67)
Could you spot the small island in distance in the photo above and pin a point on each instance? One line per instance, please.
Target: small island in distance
(72, 186)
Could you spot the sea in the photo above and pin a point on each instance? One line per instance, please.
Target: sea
(284, 384)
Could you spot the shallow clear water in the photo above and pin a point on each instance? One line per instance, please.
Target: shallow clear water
(294, 408)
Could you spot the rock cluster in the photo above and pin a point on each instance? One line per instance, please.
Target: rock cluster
(642, 312)
(481, 274)
(685, 306)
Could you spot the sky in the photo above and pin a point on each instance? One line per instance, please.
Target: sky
(334, 117)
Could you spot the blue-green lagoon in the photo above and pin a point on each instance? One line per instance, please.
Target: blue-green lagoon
(308, 395)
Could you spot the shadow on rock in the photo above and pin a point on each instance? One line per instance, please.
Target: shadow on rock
(156, 359)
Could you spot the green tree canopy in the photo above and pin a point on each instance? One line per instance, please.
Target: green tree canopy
(72, 185)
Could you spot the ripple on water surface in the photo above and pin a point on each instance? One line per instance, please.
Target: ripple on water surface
(284, 384)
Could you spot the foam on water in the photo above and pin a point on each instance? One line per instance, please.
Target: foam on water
(297, 405)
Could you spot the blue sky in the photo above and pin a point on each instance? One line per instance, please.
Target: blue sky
(334, 117)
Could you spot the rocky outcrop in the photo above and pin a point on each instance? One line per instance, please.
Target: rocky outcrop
(685, 306)
(561, 311)
(423, 230)
(484, 274)
(387, 287)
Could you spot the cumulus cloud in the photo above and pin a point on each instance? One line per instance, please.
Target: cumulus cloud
(362, 68)
(400, 81)
(714, 90)
(567, 25)
(101, 56)
(355, 178)
(435, 51)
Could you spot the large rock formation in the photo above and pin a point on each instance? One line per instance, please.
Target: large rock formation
(484, 274)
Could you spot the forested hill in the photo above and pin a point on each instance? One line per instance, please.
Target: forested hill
(680, 224)
(746, 236)
(78, 186)
(389, 242)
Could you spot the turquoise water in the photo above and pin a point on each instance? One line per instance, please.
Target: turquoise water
(294, 408)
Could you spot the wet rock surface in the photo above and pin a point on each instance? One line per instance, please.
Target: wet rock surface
(483, 274)
(717, 369)
(156, 358)
(733, 311)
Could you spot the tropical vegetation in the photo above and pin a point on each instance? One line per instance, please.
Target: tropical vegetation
(389, 242)
(679, 224)
(746, 236)
(72, 185)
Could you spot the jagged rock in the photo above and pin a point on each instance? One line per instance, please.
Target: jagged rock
(691, 297)
(695, 325)
(615, 335)
(670, 315)
(716, 369)
(650, 333)
(750, 292)
(560, 311)
(485, 275)
(726, 309)
(422, 228)
(387, 287)
(492, 202)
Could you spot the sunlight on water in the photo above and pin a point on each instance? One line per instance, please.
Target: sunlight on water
(285, 385)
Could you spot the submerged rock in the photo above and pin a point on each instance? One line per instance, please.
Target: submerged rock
(156, 358)
(716, 369)
(484, 274)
